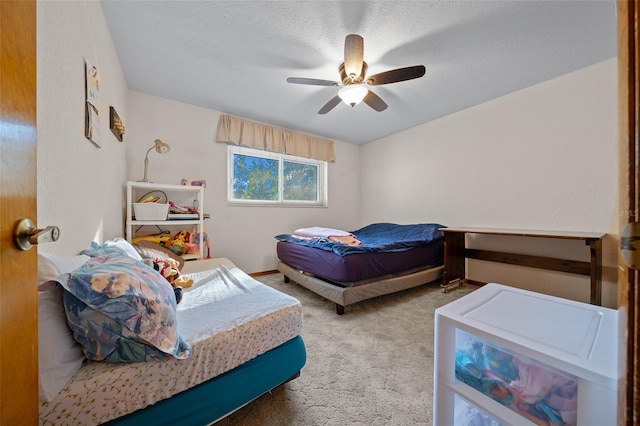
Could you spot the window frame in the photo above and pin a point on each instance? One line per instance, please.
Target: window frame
(281, 158)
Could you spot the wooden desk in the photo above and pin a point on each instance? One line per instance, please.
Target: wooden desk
(455, 252)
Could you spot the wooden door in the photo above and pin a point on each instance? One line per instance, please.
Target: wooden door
(18, 285)
(629, 182)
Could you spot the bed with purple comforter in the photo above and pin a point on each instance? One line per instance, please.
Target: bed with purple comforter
(389, 257)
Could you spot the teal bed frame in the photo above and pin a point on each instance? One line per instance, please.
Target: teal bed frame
(217, 398)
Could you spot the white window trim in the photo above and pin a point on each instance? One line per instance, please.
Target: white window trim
(322, 178)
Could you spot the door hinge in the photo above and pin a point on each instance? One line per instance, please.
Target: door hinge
(630, 245)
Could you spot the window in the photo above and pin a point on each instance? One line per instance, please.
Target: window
(266, 178)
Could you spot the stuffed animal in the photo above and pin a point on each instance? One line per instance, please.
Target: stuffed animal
(183, 281)
(178, 244)
(168, 268)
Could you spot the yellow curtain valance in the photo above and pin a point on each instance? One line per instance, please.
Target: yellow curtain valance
(237, 131)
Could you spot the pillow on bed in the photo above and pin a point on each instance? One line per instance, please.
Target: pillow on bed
(59, 355)
(120, 309)
(153, 251)
(117, 245)
(50, 266)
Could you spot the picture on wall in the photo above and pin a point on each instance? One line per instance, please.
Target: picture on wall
(92, 125)
(93, 84)
(92, 101)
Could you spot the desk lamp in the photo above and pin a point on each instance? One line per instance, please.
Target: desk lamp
(161, 148)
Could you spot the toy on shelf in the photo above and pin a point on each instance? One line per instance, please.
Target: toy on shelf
(173, 208)
(160, 238)
(178, 244)
(189, 182)
(185, 212)
(182, 242)
(196, 242)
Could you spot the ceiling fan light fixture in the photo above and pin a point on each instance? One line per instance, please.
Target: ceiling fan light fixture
(353, 94)
(354, 82)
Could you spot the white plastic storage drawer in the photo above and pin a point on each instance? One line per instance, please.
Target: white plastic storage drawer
(519, 357)
(466, 413)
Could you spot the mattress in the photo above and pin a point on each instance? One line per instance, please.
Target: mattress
(228, 318)
(358, 267)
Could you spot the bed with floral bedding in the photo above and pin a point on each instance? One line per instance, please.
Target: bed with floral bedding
(117, 348)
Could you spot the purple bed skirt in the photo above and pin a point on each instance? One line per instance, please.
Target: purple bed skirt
(356, 267)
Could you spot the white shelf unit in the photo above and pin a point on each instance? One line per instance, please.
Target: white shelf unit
(498, 343)
(181, 195)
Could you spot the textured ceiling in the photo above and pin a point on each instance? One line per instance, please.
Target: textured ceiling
(235, 56)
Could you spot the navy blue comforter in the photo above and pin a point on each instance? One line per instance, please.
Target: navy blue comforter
(376, 237)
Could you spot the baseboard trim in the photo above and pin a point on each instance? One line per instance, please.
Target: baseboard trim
(258, 274)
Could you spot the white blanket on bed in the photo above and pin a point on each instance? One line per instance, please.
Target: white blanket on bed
(226, 316)
(334, 235)
(320, 232)
(221, 298)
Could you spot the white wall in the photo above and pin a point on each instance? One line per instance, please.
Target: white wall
(540, 158)
(243, 234)
(79, 185)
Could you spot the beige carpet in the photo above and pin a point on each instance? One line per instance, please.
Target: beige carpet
(371, 366)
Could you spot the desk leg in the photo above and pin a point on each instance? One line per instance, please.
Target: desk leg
(596, 271)
(454, 260)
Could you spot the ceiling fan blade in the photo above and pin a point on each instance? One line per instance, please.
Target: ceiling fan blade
(330, 105)
(353, 55)
(312, 81)
(396, 75)
(374, 101)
